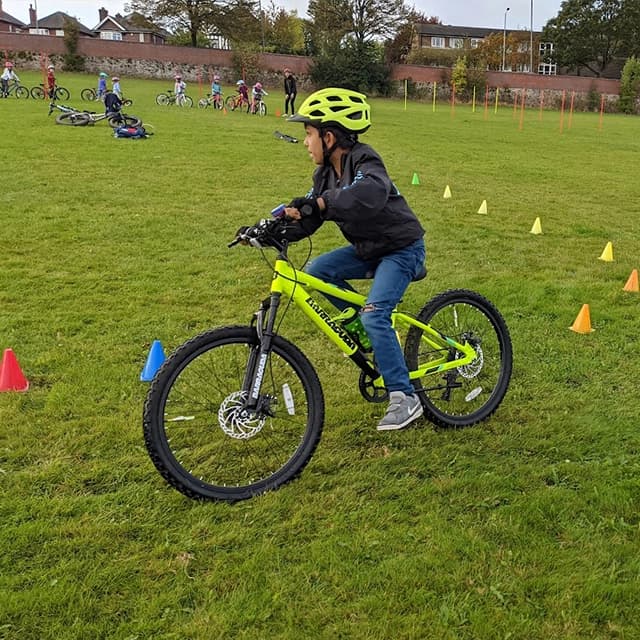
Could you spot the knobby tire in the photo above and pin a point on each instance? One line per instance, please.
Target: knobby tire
(478, 388)
(183, 429)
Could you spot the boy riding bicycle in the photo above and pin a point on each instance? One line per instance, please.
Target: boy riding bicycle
(352, 188)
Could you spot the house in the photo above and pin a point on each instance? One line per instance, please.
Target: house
(53, 25)
(133, 27)
(449, 41)
(10, 24)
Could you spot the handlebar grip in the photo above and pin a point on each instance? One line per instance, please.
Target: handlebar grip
(278, 211)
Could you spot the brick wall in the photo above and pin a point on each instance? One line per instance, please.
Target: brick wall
(156, 61)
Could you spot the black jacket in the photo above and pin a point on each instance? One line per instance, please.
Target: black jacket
(364, 203)
(290, 85)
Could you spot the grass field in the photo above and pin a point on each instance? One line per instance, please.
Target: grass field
(524, 527)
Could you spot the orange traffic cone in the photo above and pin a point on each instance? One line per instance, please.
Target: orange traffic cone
(632, 282)
(11, 376)
(582, 323)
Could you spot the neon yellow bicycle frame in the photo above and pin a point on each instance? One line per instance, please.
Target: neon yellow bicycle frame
(297, 286)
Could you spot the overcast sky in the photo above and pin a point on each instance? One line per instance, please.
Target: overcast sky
(468, 13)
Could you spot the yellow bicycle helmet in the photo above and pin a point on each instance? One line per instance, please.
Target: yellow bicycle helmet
(344, 108)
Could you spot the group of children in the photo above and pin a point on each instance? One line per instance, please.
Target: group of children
(102, 86)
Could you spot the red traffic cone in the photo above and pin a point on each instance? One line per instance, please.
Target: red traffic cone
(11, 376)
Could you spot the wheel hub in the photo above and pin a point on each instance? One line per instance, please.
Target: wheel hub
(236, 421)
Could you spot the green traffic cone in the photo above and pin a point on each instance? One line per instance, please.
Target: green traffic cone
(415, 180)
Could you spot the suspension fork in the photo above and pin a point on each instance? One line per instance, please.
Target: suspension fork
(264, 320)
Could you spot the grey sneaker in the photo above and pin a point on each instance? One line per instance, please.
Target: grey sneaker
(402, 410)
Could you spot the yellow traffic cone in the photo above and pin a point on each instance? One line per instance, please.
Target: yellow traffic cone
(632, 282)
(582, 323)
(447, 192)
(537, 227)
(483, 207)
(607, 254)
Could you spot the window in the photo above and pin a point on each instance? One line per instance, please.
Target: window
(437, 42)
(39, 32)
(546, 49)
(476, 42)
(110, 35)
(456, 43)
(547, 69)
(141, 37)
(60, 33)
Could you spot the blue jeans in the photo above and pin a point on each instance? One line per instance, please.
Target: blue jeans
(391, 276)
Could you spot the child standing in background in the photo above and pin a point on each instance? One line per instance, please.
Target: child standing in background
(116, 86)
(102, 85)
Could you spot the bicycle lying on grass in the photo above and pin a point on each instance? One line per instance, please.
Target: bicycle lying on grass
(169, 98)
(75, 118)
(239, 410)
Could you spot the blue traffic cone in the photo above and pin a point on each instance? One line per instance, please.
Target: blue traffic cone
(154, 361)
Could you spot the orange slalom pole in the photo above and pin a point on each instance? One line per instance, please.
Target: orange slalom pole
(541, 104)
(453, 99)
(573, 95)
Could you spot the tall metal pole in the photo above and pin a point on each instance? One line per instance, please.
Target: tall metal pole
(531, 40)
(504, 39)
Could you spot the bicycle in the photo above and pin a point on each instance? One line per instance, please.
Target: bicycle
(258, 107)
(214, 101)
(91, 95)
(238, 410)
(75, 118)
(169, 98)
(58, 93)
(16, 89)
(237, 102)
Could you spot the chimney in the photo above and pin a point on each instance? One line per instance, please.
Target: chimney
(33, 18)
(102, 12)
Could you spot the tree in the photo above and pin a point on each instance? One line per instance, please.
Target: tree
(398, 48)
(284, 31)
(72, 60)
(376, 19)
(630, 86)
(329, 23)
(591, 33)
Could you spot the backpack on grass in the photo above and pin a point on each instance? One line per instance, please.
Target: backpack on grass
(131, 132)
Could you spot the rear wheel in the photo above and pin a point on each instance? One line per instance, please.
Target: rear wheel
(471, 393)
(200, 437)
(88, 95)
(184, 101)
(162, 99)
(37, 93)
(74, 119)
(22, 92)
(203, 103)
(230, 103)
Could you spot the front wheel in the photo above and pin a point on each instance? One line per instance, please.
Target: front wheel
(470, 393)
(201, 438)
(162, 99)
(88, 95)
(261, 109)
(203, 103)
(22, 92)
(74, 119)
(37, 93)
(121, 120)
(230, 103)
